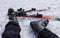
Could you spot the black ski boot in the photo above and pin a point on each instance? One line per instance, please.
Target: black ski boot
(12, 14)
(39, 25)
(10, 10)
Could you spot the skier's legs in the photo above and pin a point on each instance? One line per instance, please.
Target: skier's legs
(12, 30)
(43, 32)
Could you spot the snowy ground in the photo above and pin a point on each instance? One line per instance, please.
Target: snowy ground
(27, 32)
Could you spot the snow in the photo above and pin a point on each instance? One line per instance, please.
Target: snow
(26, 30)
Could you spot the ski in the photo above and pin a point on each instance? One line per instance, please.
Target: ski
(43, 17)
(32, 9)
(23, 13)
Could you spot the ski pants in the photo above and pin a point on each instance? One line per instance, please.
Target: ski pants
(12, 30)
(45, 33)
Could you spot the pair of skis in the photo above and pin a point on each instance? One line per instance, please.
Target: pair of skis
(22, 13)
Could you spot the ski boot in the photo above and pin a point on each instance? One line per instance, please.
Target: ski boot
(39, 25)
(12, 14)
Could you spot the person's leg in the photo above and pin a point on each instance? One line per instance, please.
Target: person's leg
(39, 27)
(12, 29)
(47, 34)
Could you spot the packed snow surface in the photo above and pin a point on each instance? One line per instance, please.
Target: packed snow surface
(26, 30)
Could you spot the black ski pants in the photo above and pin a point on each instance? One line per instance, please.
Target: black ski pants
(12, 30)
(45, 33)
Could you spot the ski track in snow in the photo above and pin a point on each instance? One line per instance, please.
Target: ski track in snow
(26, 31)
